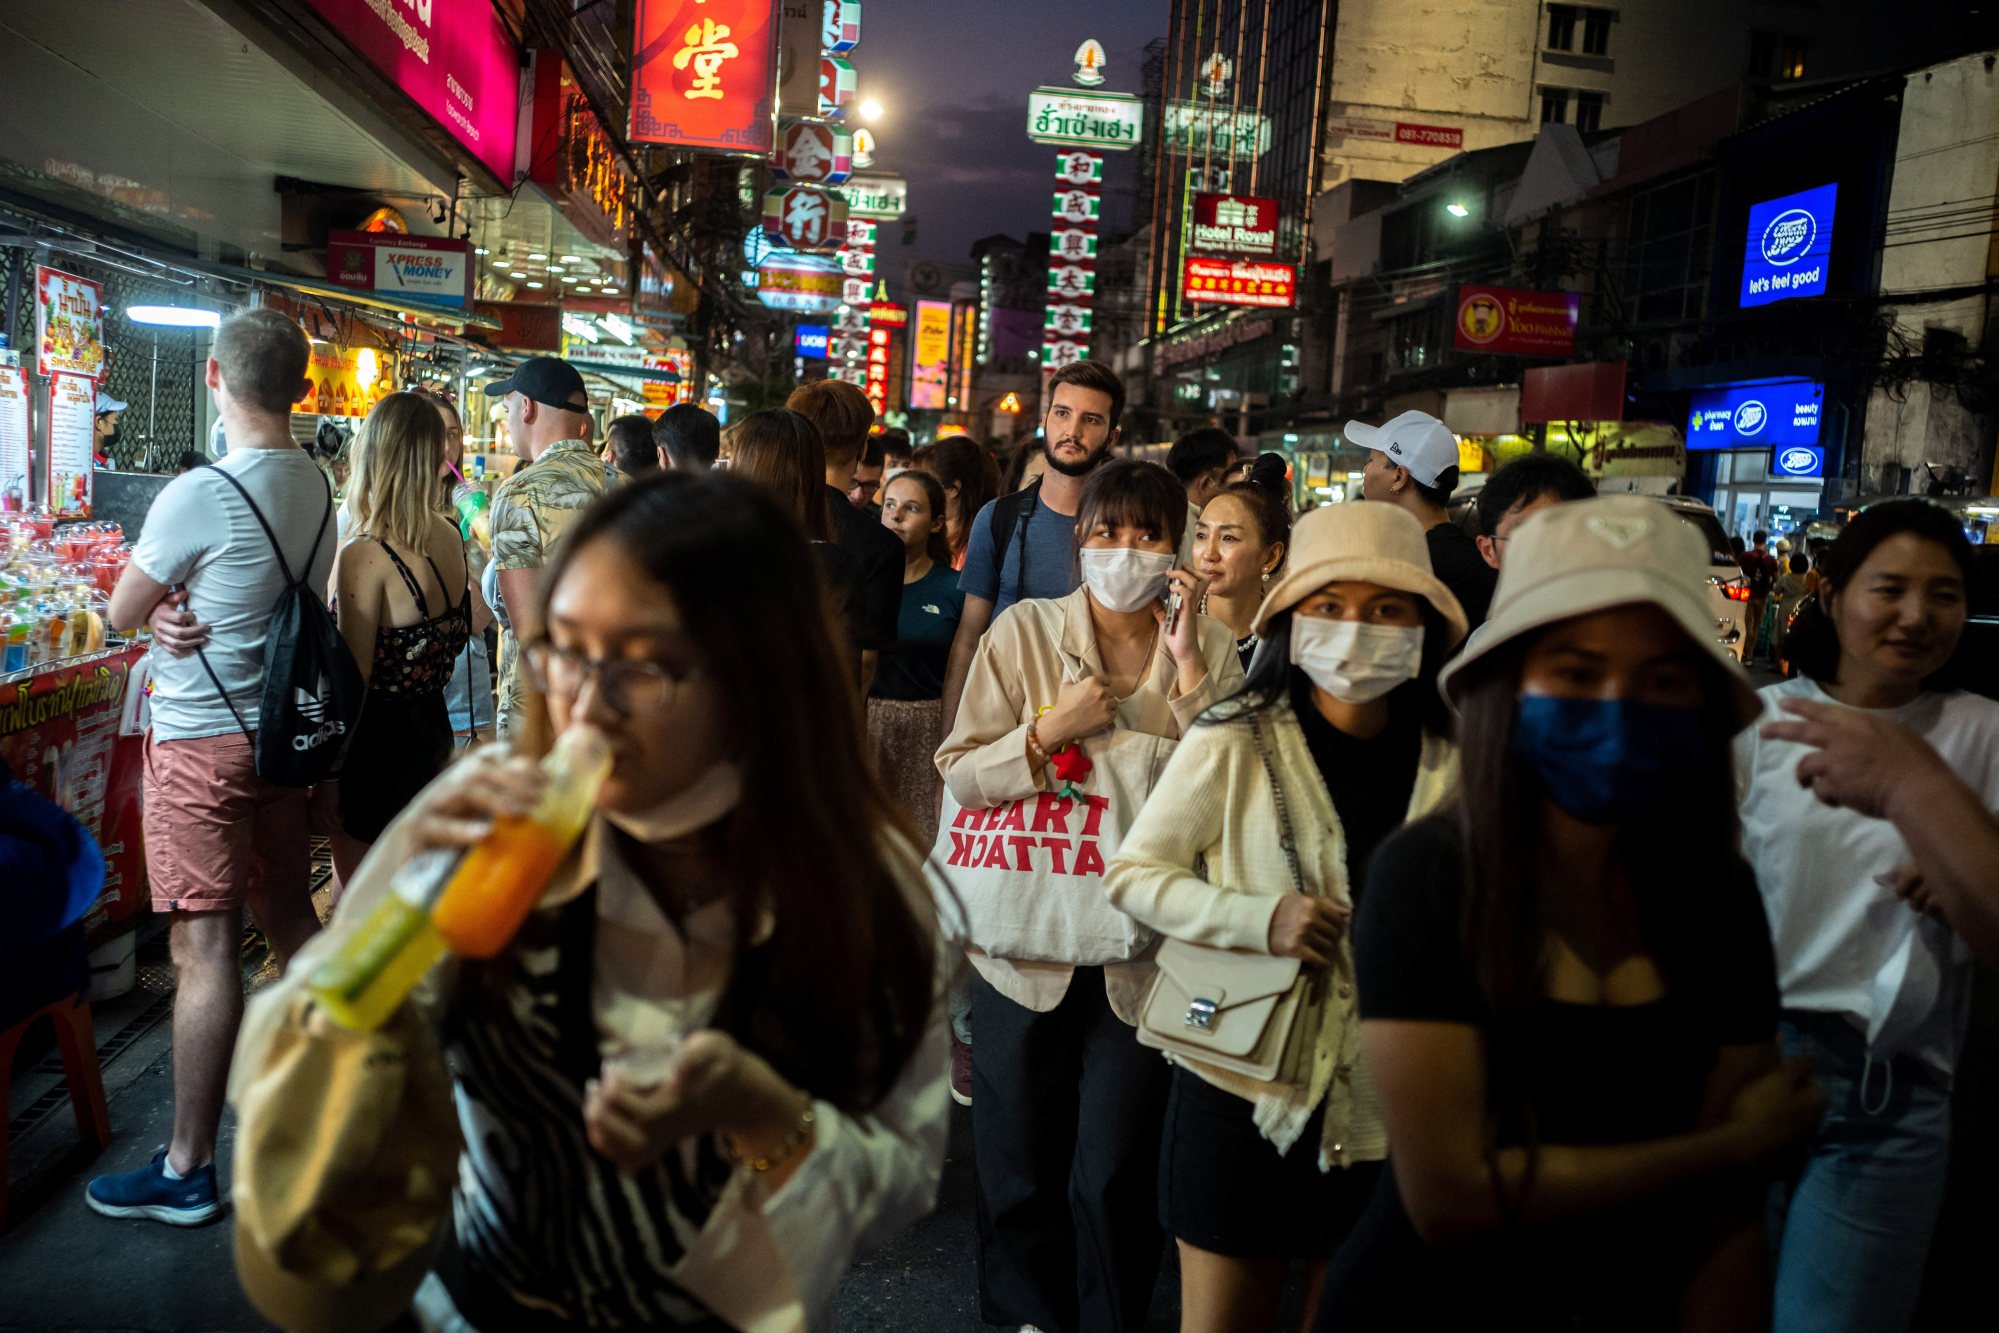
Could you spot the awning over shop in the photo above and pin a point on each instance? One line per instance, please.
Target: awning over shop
(1483, 411)
(663, 374)
(1591, 391)
(433, 314)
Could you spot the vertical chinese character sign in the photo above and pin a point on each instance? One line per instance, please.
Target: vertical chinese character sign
(1072, 258)
(704, 74)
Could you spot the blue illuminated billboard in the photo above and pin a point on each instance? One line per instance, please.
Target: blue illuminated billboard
(812, 340)
(1789, 250)
(1779, 415)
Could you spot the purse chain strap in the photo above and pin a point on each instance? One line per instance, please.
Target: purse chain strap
(1286, 841)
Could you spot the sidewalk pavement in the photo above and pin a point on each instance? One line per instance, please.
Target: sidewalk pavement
(62, 1267)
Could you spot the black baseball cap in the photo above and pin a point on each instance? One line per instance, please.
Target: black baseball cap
(548, 380)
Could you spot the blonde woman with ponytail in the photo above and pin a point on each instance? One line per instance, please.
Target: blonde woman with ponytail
(402, 595)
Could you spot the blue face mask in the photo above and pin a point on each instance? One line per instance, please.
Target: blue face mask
(1604, 760)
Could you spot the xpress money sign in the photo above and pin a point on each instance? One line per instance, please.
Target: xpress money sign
(1789, 249)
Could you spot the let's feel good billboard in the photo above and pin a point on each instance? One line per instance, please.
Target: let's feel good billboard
(1789, 250)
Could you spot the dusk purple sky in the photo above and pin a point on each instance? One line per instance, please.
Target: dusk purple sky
(953, 78)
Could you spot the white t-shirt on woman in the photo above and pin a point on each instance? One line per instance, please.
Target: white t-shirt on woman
(1845, 944)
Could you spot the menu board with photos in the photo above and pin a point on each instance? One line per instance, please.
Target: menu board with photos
(71, 418)
(14, 457)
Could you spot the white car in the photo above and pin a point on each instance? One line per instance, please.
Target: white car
(1728, 589)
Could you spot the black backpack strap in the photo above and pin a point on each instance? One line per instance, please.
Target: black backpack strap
(276, 550)
(227, 702)
(1010, 515)
(283, 568)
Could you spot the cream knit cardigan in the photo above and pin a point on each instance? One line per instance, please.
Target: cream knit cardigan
(1205, 863)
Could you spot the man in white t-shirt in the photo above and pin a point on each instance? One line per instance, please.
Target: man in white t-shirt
(205, 577)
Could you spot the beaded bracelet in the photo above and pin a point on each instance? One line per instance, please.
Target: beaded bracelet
(792, 1145)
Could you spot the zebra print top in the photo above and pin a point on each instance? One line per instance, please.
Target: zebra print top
(546, 1233)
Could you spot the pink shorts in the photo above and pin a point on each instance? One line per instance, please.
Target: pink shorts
(217, 836)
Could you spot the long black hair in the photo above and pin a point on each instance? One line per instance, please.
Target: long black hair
(1813, 646)
(838, 996)
(1685, 848)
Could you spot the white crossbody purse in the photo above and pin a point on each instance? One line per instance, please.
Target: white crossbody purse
(1230, 1008)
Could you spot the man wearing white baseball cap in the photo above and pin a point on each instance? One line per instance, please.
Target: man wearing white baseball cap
(1412, 461)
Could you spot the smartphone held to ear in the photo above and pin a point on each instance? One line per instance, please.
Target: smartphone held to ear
(1174, 601)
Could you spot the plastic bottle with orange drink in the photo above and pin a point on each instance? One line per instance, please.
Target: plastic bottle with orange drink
(470, 904)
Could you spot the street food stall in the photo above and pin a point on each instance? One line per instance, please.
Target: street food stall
(73, 692)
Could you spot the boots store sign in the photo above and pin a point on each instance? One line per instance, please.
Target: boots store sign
(453, 58)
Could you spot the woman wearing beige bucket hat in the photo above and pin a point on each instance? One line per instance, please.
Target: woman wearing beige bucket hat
(1250, 855)
(1567, 993)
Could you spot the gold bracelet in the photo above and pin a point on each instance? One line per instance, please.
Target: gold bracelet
(792, 1145)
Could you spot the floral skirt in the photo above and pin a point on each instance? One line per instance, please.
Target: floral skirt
(904, 735)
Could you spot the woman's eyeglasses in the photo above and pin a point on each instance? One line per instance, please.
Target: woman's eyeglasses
(627, 685)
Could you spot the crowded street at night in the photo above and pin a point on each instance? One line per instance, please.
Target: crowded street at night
(825, 666)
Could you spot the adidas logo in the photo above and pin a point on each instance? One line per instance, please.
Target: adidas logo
(311, 708)
(312, 740)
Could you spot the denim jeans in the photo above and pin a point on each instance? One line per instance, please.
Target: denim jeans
(1853, 1230)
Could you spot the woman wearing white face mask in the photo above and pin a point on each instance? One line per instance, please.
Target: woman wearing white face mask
(1069, 712)
(1257, 842)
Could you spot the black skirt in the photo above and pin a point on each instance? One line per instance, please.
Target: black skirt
(1224, 1188)
(399, 745)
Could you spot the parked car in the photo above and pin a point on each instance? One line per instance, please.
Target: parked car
(1728, 589)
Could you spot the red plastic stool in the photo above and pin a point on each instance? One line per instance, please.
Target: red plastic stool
(81, 1073)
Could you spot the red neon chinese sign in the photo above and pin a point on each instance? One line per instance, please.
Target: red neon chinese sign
(704, 75)
(1240, 282)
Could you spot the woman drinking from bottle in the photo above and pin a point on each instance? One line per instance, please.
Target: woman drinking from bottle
(1070, 710)
(1257, 840)
(1567, 997)
(711, 1063)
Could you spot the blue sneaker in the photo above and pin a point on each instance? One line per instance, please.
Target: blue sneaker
(148, 1193)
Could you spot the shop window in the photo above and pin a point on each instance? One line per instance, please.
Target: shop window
(1561, 28)
(1589, 112)
(1414, 341)
(1791, 58)
(1596, 32)
(1554, 106)
(1762, 54)
(1774, 56)
(1670, 231)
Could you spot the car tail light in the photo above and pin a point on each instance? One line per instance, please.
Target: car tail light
(1735, 590)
